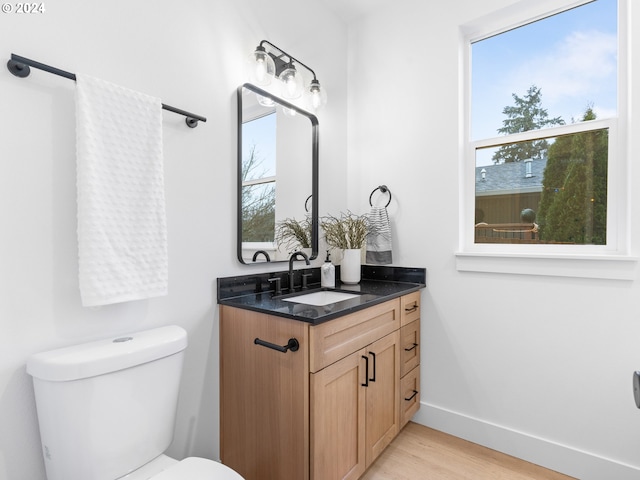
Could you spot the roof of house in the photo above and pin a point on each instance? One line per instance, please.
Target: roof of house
(506, 178)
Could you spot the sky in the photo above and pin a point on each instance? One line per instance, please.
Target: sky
(261, 133)
(572, 59)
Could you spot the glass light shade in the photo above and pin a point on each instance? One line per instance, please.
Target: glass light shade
(289, 112)
(262, 68)
(265, 101)
(316, 95)
(292, 83)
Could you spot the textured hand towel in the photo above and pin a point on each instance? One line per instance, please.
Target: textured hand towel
(379, 237)
(122, 239)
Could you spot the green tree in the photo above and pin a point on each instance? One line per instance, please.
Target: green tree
(526, 114)
(573, 207)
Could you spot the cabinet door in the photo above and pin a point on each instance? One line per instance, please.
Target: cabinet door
(264, 416)
(338, 419)
(383, 421)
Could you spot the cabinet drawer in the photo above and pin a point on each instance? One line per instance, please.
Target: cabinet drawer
(333, 340)
(410, 307)
(409, 395)
(409, 347)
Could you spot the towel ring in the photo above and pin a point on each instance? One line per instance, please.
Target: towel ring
(383, 189)
(306, 208)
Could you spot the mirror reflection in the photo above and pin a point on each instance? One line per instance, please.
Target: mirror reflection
(277, 178)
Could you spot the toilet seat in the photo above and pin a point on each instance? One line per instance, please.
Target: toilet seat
(196, 468)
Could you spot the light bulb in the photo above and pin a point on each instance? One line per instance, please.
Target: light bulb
(262, 67)
(317, 96)
(291, 82)
(289, 112)
(265, 101)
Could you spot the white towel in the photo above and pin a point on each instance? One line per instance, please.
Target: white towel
(122, 236)
(379, 237)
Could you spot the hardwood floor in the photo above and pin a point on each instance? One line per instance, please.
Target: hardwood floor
(421, 453)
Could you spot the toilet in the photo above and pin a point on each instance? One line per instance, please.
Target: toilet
(106, 409)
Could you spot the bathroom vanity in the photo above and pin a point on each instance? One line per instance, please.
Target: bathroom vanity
(317, 391)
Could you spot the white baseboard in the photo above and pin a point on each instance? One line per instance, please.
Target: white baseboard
(561, 458)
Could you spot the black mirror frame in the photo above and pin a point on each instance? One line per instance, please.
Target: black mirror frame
(314, 169)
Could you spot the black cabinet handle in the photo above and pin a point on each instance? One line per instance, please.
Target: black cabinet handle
(373, 379)
(411, 309)
(411, 348)
(366, 373)
(292, 345)
(415, 392)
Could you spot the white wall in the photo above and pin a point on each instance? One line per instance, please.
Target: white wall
(539, 367)
(190, 54)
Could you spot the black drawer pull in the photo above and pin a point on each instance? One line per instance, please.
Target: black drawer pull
(366, 373)
(373, 379)
(411, 348)
(292, 345)
(415, 392)
(411, 309)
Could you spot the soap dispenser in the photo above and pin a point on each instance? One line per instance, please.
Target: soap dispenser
(328, 273)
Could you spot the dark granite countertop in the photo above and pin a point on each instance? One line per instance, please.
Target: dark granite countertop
(378, 285)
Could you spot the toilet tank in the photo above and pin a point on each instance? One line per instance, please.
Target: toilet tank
(105, 408)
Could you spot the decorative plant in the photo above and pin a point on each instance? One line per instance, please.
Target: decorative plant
(347, 232)
(293, 234)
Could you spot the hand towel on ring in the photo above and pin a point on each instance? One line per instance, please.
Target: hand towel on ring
(379, 237)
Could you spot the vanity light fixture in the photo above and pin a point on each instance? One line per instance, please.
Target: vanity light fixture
(276, 63)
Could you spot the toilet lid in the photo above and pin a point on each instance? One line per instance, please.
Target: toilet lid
(195, 468)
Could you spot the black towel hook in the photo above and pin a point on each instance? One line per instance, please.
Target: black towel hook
(383, 189)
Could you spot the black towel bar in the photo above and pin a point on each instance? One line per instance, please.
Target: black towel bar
(292, 345)
(19, 66)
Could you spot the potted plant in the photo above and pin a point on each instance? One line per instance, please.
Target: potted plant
(293, 234)
(347, 233)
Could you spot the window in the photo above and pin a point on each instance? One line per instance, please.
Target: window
(545, 105)
(259, 179)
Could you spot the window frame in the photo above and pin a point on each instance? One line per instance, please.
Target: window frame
(612, 260)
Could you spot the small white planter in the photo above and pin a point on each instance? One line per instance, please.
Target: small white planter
(350, 266)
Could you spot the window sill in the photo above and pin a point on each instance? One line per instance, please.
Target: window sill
(607, 267)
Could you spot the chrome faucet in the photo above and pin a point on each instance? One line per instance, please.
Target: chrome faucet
(294, 255)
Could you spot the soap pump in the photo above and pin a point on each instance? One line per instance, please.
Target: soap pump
(328, 273)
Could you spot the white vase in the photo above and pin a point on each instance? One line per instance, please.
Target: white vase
(350, 266)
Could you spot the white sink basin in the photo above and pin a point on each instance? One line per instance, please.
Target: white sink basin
(322, 298)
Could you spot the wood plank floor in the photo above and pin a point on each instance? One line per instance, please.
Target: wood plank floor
(421, 453)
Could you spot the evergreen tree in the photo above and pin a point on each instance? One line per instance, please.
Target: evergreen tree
(573, 207)
(526, 114)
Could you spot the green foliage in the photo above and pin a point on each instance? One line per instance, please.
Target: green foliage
(573, 207)
(527, 114)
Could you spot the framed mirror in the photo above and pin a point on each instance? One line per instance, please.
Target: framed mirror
(277, 178)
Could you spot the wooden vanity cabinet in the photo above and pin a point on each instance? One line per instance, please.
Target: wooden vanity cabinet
(264, 396)
(329, 409)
